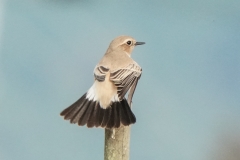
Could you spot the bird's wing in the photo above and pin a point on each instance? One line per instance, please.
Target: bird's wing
(100, 73)
(126, 78)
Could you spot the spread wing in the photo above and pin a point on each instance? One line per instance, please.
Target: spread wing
(126, 78)
(100, 73)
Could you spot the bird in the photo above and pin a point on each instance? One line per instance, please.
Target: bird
(104, 104)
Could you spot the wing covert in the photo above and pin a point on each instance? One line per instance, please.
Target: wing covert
(125, 78)
(100, 73)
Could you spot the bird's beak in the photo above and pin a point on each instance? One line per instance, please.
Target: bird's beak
(139, 43)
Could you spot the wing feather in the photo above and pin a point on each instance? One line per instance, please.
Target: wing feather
(100, 73)
(125, 78)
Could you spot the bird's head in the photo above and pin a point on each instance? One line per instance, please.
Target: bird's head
(124, 43)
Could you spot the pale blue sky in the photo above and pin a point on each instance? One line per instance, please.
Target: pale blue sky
(187, 102)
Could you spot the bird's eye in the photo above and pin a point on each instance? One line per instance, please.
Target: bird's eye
(129, 42)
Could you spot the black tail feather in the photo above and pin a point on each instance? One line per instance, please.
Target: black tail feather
(124, 115)
(92, 119)
(106, 117)
(88, 112)
(131, 116)
(116, 116)
(100, 115)
(111, 120)
(82, 113)
(69, 112)
(76, 114)
(65, 111)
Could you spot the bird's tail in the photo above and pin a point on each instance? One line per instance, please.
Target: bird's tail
(89, 112)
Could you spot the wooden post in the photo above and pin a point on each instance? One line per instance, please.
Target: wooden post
(117, 142)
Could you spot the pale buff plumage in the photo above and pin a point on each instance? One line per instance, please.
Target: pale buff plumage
(104, 104)
(118, 56)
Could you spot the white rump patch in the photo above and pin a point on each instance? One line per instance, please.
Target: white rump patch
(92, 94)
(103, 94)
(115, 98)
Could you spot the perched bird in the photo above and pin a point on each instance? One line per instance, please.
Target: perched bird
(104, 104)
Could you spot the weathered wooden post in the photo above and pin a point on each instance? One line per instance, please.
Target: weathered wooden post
(117, 142)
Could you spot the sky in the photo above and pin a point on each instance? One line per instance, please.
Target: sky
(186, 103)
